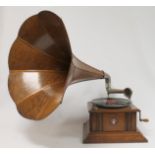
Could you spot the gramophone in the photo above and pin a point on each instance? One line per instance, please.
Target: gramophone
(42, 66)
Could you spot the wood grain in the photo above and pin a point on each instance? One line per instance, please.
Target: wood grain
(42, 66)
(112, 125)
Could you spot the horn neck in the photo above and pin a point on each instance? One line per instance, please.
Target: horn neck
(80, 71)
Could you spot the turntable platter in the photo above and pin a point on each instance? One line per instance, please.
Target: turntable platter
(111, 102)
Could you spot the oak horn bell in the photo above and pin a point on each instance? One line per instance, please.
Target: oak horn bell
(42, 66)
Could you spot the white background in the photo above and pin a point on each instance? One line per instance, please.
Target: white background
(119, 40)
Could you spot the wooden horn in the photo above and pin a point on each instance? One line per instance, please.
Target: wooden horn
(42, 66)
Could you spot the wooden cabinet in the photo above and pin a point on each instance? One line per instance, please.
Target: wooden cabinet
(112, 125)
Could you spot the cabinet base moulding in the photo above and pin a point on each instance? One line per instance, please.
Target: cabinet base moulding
(112, 137)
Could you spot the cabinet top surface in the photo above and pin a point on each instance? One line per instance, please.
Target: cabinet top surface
(93, 108)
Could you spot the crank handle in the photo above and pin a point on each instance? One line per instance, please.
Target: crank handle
(142, 119)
